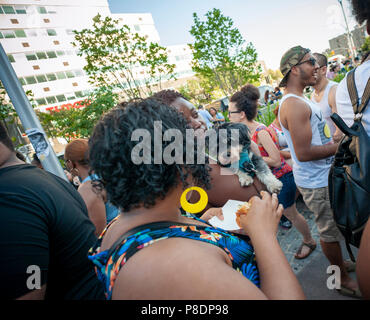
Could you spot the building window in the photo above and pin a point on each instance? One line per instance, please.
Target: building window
(20, 9)
(79, 94)
(69, 32)
(46, 20)
(60, 53)
(41, 10)
(51, 32)
(21, 80)
(14, 21)
(70, 74)
(11, 58)
(65, 64)
(61, 75)
(25, 44)
(31, 80)
(41, 101)
(137, 28)
(41, 55)
(8, 9)
(51, 76)
(75, 84)
(51, 54)
(70, 96)
(46, 89)
(31, 33)
(41, 78)
(56, 42)
(20, 33)
(31, 56)
(8, 34)
(51, 100)
(61, 98)
(78, 73)
(36, 67)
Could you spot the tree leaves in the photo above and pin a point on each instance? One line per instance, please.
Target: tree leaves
(220, 53)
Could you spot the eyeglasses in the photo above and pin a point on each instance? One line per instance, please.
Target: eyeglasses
(310, 60)
(230, 112)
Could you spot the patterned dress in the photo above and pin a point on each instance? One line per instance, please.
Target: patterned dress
(284, 168)
(108, 263)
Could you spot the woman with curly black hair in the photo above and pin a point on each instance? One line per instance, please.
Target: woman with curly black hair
(151, 251)
(224, 187)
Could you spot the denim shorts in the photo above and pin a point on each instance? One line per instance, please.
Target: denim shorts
(287, 194)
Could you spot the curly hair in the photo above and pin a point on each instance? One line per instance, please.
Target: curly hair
(129, 185)
(247, 100)
(167, 96)
(361, 10)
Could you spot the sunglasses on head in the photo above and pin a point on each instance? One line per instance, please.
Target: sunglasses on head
(310, 60)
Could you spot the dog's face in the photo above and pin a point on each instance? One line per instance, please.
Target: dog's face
(231, 155)
(230, 146)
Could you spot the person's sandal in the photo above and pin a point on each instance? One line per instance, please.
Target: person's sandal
(350, 265)
(350, 292)
(312, 247)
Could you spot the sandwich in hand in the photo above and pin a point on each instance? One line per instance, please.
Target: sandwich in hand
(243, 209)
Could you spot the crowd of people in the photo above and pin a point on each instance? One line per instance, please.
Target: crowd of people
(123, 234)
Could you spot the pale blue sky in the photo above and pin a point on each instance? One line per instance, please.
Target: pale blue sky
(272, 26)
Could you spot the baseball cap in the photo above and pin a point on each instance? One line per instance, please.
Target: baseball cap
(289, 60)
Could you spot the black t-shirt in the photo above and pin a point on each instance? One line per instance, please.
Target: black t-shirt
(44, 223)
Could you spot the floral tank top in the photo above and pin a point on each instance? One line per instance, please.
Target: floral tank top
(284, 168)
(108, 263)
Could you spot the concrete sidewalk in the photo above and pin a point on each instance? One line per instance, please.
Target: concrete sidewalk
(311, 272)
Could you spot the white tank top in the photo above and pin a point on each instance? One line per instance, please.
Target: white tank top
(310, 174)
(324, 106)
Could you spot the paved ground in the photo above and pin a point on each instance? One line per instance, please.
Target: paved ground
(311, 272)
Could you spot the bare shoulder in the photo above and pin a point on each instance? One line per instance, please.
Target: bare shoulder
(294, 104)
(182, 269)
(294, 110)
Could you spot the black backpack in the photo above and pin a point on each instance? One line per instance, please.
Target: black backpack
(349, 176)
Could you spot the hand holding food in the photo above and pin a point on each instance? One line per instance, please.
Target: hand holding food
(263, 215)
(243, 210)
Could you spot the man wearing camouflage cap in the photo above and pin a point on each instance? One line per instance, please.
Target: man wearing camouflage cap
(312, 148)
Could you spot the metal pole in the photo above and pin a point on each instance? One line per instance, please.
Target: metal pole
(349, 37)
(27, 115)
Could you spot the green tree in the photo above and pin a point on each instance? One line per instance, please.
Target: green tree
(79, 122)
(200, 91)
(366, 45)
(120, 60)
(220, 54)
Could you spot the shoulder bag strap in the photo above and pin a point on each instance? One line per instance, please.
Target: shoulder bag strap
(352, 90)
(365, 97)
(354, 95)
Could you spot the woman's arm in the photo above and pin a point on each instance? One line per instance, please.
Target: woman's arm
(277, 278)
(273, 159)
(206, 270)
(95, 206)
(285, 154)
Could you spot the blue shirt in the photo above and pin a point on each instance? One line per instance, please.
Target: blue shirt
(207, 117)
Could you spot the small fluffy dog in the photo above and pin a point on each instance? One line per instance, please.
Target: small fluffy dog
(242, 160)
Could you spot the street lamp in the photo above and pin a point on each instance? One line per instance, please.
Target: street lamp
(350, 41)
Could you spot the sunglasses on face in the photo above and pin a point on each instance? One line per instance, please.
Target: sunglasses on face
(312, 61)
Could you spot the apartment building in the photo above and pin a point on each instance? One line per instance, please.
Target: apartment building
(37, 36)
